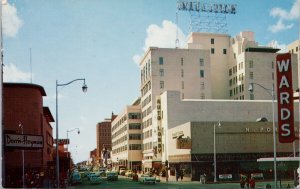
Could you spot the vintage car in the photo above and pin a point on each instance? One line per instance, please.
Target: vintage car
(76, 178)
(94, 179)
(128, 173)
(112, 175)
(147, 179)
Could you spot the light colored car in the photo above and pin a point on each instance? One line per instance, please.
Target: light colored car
(112, 175)
(147, 179)
(122, 171)
(128, 173)
(76, 178)
(94, 179)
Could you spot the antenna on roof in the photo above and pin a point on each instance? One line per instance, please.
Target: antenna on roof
(30, 66)
(177, 40)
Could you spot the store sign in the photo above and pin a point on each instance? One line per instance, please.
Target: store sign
(285, 98)
(62, 141)
(184, 143)
(24, 141)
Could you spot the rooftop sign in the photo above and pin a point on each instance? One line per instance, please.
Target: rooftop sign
(206, 7)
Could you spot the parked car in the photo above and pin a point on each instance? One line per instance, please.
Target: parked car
(122, 171)
(76, 178)
(128, 173)
(94, 179)
(147, 179)
(112, 175)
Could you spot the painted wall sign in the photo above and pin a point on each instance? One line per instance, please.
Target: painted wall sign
(286, 133)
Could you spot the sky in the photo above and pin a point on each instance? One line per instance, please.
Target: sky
(102, 41)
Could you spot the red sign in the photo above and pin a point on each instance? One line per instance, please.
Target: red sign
(285, 98)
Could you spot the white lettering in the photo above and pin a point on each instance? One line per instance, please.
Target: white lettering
(285, 128)
(284, 96)
(282, 110)
(247, 130)
(283, 64)
(284, 81)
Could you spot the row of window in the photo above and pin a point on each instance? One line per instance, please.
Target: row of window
(120, 140)
(236, 90)
(147, 146)
(120, 149)
(292, 51)
(146, 101)
(135, 137)
(134, 126)
(146, 88)
(147, 134)
(147, 111)
(122, 130)
(235, 79)
(120, 122)
(145, 71)
(147, 123)
(161, 62)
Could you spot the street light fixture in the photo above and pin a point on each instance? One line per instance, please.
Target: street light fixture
(215, 155)
(251, 89)
(84, 89)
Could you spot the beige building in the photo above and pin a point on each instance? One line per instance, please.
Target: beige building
(188, 135)
(212, 66)
(127, 138)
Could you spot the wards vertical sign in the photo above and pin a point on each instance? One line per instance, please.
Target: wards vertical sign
(285, 98)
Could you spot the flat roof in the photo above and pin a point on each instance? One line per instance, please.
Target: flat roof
(26, 85)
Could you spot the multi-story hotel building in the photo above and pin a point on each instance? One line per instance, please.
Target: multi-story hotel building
(212, 66)
(127, 138)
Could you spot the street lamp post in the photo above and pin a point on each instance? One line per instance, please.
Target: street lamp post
(274, 127)
(68, 131)
(84, 89)
(23, 159)
(215, 154)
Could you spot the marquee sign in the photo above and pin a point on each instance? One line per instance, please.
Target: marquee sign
(285, 98)
(24, 141)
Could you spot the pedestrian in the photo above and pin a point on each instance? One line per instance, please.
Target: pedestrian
(177, 175)
(181, 174)
(252, 183)
(242, 182)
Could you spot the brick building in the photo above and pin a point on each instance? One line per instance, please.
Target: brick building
(23, 107)
(103, 132)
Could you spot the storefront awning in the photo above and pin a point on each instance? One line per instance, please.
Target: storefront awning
(283, 163)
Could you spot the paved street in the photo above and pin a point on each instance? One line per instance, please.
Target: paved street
(125, 182)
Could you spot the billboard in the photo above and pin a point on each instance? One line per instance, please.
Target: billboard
(286, 133)
(24, 141)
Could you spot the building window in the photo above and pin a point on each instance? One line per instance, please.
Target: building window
(251, 64)
(234, 55)
(201, 62)
(202, 96)
(201, 73)
(230, 82)
(230, 93)
(212, 51)
(251, 75)
(181, 61)
(161, 60)
(182, 73)
(161, 72)
(230, 72)
(182, 84)
(251, 96)
(296, 49)
(273, 76)
(224, 51)
(202, 87)
(162, 84)
(212, 41)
